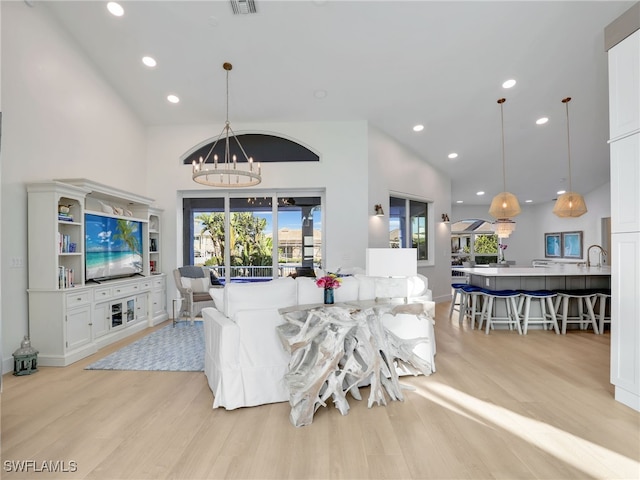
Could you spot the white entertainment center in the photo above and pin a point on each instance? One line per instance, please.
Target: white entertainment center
(71, 316)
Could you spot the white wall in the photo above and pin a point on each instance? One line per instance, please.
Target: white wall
(342, 171)
(1, 259)
(527, 242)
(393, 168)
(60, 119)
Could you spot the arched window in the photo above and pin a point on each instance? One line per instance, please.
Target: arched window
(473, 240)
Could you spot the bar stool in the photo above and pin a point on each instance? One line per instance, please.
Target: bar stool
(584, 299)
(457, 290)
(470, 307)
(545, 318)
(602, 297)
(511, 318)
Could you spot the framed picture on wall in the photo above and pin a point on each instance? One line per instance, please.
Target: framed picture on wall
(553, 245)
(572, 244)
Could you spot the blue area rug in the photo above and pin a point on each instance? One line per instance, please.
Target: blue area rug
(175, 349)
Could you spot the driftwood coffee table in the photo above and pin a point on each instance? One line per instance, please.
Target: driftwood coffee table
(334, 349)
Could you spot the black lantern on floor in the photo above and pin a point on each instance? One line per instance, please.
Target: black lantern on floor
(25, 359)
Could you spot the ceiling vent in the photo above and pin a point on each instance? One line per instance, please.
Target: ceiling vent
(243, 6)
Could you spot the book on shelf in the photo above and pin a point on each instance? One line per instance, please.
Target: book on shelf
(65, 217)
(64, 243)
(65, 277)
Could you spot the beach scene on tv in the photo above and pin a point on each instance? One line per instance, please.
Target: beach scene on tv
(113, 247)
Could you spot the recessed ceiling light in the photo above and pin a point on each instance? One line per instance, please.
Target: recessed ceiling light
(173, 98)
(320, 94)
(480, 193)
(418, 128)
(149, 61)
(560, 192)
(528, 201)
(542, 121)
(453, 155)
(459, 201)
(509, 83)
(115, 9)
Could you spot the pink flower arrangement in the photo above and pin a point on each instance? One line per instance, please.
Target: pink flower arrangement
(328, 281)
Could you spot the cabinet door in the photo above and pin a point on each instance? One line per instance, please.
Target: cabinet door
(117, 314)
(142, 307)
(624, 87)
(625, 312)
(625, 178)
(78, 328)
(101, 319)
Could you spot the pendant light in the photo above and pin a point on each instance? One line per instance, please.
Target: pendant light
(228, 172)
(504, 205)
(569, 204)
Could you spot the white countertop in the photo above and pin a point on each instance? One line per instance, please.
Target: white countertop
(557, 270)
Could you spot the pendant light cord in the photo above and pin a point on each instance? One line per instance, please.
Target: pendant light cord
(227, 117)
(504, 168)
(566, 104)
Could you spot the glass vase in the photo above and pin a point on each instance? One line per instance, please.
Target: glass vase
(328, 296)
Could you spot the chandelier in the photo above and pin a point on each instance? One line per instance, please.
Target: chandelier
(505, 204)
(228, 172)
(503, 227)
(569, 204)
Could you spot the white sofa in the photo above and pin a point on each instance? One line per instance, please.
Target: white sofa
(245, 362)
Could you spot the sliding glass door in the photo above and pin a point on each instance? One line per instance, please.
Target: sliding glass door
(239, 237)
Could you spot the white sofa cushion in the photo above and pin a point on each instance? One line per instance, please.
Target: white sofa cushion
(366, 287)
(277, 293)
(348, 291)
(218, 298)
(308, 292)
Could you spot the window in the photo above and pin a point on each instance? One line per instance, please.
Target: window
(473, 240)
(241, 236)
(409, 225)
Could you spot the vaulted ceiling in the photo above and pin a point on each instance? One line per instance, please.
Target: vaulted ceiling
(394, 64)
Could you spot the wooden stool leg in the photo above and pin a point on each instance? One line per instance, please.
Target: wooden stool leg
(554, 320)
(514, 313)
(488, 313)
(453, 302)
(565, 312)
(527, 309)
(592, 315)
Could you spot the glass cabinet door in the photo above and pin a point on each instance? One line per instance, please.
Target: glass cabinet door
(131, 310)
(116, 314)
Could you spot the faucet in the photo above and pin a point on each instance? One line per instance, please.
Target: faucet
(603, 254)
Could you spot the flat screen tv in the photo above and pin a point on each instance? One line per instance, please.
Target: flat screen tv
(113, 247)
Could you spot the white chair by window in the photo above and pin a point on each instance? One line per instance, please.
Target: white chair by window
(193, 283)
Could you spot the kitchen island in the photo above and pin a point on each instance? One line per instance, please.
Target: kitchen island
(548, 277)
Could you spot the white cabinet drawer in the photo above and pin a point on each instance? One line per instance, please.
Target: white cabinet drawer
(126, 289)
(145, 285)
(78, 298)
(102, 293)
(158, 283)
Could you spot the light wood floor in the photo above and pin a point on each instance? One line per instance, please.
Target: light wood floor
(499, 406)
